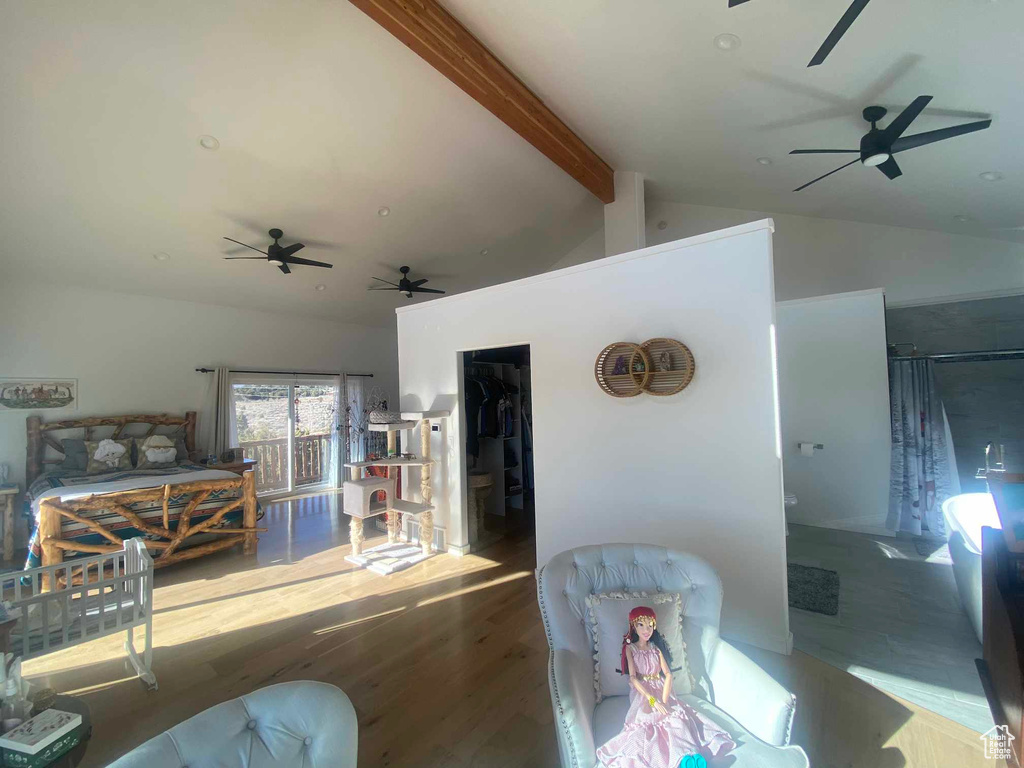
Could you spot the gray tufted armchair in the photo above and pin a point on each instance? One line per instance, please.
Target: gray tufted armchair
(733, 691)
(302, 724)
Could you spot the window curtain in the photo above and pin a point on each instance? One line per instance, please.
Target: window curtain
(338, 451)
(355, 418)
(218, 429)
(919, 479)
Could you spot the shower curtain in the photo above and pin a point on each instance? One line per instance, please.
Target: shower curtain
(919, 479)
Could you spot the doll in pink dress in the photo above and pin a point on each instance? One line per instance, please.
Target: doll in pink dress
(660, 731)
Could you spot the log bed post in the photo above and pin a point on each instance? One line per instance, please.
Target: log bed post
(49, 533)
(34, 449)
(190, 435)
(249, 512)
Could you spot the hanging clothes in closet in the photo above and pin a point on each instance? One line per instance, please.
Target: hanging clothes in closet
(488, 409)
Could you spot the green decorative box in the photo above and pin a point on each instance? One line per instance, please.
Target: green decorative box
(48, 754)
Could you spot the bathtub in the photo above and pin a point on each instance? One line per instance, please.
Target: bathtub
(965, 515)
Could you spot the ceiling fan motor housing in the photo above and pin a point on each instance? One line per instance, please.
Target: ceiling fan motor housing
(874, 149)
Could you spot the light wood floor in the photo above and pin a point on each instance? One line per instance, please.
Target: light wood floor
(445, 662)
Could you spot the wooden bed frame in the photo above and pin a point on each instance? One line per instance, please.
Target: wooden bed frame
(169, 542)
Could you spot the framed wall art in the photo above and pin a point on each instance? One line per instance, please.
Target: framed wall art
(38, 394)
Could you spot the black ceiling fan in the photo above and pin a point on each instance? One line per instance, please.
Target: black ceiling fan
(878, 145)
(279, 255)
(837, 32)
(405, 285)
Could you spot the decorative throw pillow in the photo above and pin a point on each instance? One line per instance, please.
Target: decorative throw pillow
(157, 452)
(75, 456)
(608, 620)
(108, 455)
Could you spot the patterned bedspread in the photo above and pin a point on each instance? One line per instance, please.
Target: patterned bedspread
(81, 484)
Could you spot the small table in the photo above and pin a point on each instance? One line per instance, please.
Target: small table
(238, 467)
(8, 493)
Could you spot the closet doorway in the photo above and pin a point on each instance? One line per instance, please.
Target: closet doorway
(498, 406)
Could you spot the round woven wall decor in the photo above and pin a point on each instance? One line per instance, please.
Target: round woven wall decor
(671, 366)
(622, 369)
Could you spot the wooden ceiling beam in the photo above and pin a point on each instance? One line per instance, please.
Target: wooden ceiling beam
(439, 38)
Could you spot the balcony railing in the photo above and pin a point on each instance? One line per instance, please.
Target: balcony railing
(311, 461)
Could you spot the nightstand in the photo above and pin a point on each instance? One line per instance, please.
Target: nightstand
(238, 467)
(7, 495)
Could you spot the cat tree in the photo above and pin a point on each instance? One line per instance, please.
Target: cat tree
(359, 493)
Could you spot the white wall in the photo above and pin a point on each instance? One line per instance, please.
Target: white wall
(814, 257)
(834, 390)
(138, 354)
(590, 249)
(698, 471)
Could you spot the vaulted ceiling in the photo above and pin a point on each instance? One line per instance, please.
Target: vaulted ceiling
(323, 118)
(648, 89)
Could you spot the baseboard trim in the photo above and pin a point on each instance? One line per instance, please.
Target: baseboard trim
(872, 525)
(458, 551)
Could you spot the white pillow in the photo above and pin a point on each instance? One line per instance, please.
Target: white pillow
(608, 619)
(157, 451)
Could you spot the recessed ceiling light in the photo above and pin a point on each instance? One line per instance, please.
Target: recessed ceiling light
(662, 224)
(320, 287)
(383, 211)
(961, 218)
(209, 142)
(161, 256)
(484, 252)
(727, 42)
(991, 176)
(764, 160)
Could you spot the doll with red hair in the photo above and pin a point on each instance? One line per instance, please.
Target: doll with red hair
(660, 731)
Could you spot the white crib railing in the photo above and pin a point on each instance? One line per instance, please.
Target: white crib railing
(60, 606)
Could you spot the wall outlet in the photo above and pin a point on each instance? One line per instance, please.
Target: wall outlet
(435, 427)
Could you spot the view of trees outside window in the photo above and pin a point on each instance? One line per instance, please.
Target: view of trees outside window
(261, 410)
(286, 461)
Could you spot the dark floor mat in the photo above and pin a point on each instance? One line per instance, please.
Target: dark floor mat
(813, 589)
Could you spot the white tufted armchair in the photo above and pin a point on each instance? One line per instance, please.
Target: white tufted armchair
(760, 711)
(302, 724)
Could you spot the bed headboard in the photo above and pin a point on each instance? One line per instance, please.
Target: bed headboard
(40, 437)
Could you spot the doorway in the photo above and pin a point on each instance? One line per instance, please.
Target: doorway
(498, 450)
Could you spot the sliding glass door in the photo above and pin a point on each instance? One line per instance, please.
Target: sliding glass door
(289, 426)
